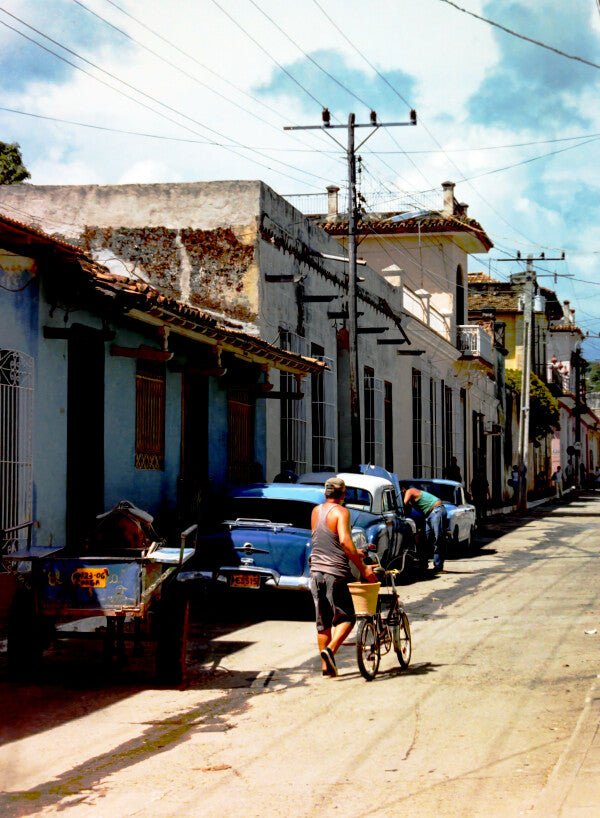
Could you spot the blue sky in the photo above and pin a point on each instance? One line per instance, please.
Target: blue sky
(221, 74)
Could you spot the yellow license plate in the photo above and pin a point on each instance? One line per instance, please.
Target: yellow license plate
(245, 581)
(90, 577)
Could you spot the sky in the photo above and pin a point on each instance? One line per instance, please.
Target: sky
(193, 90)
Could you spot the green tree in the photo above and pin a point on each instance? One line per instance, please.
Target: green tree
(12, 169)
(544, 416)
(593, 376)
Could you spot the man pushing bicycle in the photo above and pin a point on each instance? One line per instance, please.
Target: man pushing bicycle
(331, 555)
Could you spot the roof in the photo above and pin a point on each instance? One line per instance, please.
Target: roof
(23, 236)
(280, 491)
(381, 224)
(144, 300)
(503, 296)
(566, 327)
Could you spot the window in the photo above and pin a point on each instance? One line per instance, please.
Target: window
(417, 429)
(373, 399)
(388, 426)
(323, 414)
(292, 424)
(150, 405)
(448, 427)
(16, 448)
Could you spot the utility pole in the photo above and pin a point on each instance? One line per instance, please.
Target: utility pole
(353, 330)
(529, 284)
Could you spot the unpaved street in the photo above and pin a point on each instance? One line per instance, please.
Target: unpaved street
(495, 695)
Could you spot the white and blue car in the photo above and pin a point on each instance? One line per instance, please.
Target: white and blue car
(461, 514)
(264, 540)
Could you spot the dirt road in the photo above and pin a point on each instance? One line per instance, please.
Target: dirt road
(501, 669)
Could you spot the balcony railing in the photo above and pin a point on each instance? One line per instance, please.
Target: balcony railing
(474, 341)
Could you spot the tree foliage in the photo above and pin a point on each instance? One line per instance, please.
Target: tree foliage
(593, 376)
(544, 416)
(12, 169)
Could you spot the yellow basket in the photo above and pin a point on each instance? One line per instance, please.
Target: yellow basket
(364, 596)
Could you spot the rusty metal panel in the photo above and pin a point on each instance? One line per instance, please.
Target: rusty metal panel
(74, 585)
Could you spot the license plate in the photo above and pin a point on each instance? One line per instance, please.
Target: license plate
(245, 581)
(90, 577)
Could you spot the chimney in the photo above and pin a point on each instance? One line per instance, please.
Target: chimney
(448, 207)
(332, 200)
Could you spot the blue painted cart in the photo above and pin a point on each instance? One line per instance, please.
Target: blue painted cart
(58, 588)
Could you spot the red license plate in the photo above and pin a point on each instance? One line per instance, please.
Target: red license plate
(245, 581)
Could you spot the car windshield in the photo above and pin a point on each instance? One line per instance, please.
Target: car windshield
(446, 493)
(290, 512)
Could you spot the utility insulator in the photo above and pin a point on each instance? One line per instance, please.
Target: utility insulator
(374, 117)
(326, 116)
(413, 116)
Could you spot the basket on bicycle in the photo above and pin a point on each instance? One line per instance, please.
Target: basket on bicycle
(364, 596)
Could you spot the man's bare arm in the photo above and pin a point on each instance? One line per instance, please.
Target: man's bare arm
(345, 537)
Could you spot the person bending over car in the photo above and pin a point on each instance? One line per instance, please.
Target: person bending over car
(436, 521)
(331, 554)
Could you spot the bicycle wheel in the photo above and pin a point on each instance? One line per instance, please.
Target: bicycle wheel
(402, 640)
(367, 649)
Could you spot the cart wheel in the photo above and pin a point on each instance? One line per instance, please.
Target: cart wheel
(27, 636)
(172, 617)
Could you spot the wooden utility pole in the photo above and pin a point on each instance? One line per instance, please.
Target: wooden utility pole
(350, 150)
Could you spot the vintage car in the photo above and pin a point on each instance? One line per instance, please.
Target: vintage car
(375, 491)
(264, 539)
(461, 515)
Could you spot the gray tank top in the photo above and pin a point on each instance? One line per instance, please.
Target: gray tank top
(327, 555)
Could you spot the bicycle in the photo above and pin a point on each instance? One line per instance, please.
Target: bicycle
(378, 632)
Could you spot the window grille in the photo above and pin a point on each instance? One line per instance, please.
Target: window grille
(323, 414)
(150, 408)
(448, 426)
(293, 412)
(373, 400)
(16, 449)
(388, 426)
(417, 425)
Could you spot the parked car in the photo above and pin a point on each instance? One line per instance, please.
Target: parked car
(461, 514)
(264, 539)
(376, 492)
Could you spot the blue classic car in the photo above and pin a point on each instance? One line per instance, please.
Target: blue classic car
(264, 540)
(461, 515)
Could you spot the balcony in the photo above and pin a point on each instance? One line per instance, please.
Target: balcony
(474, 342)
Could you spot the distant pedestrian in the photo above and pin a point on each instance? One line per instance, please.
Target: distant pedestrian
(558, 482)
(582, 475)
(513, 481)
(287, 473)
(480, 492)
(453, 471)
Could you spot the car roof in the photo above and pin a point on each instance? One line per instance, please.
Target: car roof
(432, 480)
(359, 481)
(280, 491)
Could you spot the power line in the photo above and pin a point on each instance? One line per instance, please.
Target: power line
(521, 36)
(311, 59)
(270, 56)
(148, 96)
(187, 74)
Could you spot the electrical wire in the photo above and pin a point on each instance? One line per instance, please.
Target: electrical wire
(520, 36)
(149, 96)
(187, 74)
(270, 56)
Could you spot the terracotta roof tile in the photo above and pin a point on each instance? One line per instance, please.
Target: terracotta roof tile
(435, 223)
(39, 235)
